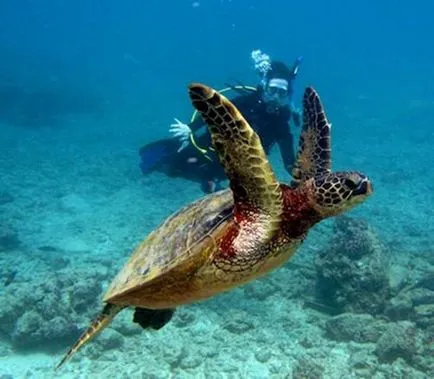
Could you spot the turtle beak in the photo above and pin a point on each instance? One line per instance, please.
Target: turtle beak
(364, 187)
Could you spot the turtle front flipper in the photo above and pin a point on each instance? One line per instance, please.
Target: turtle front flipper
(314, 155)
(256, 191)
(104, 319)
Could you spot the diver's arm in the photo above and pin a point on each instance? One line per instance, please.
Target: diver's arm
(286, 147)
(196, 131)
(246, 103)
(197, 123)
(296, 114)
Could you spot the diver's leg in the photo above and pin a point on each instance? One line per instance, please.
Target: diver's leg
(154, 154)
(213, 175)
(208, 185)
(152, 318)
(290, 154)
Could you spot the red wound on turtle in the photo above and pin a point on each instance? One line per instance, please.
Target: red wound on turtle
(227, 250)
(243, 215)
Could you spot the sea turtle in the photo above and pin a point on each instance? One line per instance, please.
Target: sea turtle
(233, 236)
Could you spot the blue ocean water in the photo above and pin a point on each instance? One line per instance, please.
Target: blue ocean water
(84, 84)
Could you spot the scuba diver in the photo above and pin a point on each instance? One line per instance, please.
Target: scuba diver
(268, 108)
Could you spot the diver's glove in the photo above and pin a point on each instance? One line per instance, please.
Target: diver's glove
(182, 132)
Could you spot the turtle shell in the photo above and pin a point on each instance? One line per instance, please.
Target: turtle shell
(177, 240)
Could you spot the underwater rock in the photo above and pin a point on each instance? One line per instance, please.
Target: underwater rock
(58, 263)
(190, 362)
(399, 277)
(184, 317)
(307, 367)
(74, 204)
(352, 272)
(238, 325)
(208, 351)
(93, 351)
(427, 281)
(399, 308)
(59, 329)
(421, 296)
(263, 355)
(400, 370)
(4, 351)
(126, 327)
(28, 327)
(83, 294)
(415, 304)
(174, 355)
(260, 290)
(363, 364)
(10, 312)
(110, 339)
(424, 361)
(398, 341)
(31, 329)
(360, 328)
(424, 315)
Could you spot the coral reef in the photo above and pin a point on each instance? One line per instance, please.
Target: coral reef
(390, 308)
(352, 271)
(261, 330)
(48, 309)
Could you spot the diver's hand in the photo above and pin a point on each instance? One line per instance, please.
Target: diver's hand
(182, 132)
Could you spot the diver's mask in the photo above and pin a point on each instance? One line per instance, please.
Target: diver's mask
(275, 94)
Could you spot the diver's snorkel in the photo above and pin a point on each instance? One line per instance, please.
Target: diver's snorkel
(295, 66)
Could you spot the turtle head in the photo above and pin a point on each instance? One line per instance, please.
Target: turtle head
(335, 193)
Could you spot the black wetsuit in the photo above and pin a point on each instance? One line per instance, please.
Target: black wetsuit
(272, 128)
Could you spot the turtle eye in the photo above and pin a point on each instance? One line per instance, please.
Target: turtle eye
(351, 184)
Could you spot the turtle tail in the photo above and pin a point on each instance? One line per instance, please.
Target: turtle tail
(104, 319)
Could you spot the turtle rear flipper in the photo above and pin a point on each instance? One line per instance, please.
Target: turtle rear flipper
(104, 319)
(152, 318)
(255, 188)
(314, 155)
